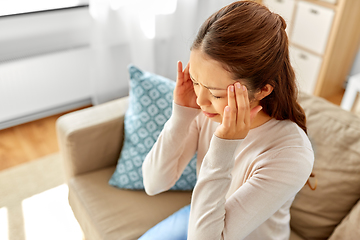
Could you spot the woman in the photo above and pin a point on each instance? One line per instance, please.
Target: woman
(235, 104)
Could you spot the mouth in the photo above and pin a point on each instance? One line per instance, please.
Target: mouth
(210, 115)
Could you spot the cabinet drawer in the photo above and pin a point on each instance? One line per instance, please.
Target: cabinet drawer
(284, 8)
(306, 67)
(312, 26)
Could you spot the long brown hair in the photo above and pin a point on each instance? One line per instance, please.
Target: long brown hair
(251, 43)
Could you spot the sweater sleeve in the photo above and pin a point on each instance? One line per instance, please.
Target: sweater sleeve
(276, 180)
(173, 150)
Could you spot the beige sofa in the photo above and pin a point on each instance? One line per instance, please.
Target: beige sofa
(90, 142)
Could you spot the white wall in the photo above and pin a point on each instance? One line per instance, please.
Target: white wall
(55, 61)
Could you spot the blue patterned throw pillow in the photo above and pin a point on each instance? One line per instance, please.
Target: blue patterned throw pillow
(150, 107)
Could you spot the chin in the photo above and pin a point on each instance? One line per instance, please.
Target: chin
(217, 119)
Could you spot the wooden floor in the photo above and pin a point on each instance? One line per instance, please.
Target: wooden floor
(36, 139)
(27, 142)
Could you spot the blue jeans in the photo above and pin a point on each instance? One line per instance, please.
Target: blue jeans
(174, 227)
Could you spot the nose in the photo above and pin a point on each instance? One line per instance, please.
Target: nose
(202, 96)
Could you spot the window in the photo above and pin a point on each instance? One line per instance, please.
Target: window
(14, 7)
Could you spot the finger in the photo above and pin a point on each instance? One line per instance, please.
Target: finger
(232, 103)
(226, 122)
(187, 73)
(179, 67)
(187, 67)
(180, 75)
(241, 105)
(246, 106)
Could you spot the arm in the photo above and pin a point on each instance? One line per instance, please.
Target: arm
(274, 182)
(172, 151)
(177, 142)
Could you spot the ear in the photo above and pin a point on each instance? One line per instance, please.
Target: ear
(265, 91)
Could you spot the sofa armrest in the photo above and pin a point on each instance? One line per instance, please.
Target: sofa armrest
(91, 138)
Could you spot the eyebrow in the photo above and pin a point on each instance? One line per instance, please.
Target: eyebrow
(210, 88)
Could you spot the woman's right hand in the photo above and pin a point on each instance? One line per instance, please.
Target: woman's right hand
(184, 94)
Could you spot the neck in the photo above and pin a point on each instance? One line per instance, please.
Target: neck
(260, 119)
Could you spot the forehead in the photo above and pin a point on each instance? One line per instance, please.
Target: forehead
(208, 71)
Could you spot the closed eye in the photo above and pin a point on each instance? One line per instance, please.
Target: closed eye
(215, 96)
(197, 84)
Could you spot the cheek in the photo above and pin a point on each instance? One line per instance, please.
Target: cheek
(220, 109)
(220, 105)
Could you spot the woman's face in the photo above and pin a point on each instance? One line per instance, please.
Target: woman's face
(210, 81)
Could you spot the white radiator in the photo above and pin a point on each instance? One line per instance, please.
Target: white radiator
(36, 87)
(44, 64)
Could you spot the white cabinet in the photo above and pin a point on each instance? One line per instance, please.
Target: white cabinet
(306, 67)
(312, 26)
(324, 36)
(284, 8)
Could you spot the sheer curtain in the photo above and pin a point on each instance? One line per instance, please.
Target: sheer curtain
(151, 34)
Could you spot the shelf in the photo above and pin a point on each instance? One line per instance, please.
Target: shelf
(322, 3)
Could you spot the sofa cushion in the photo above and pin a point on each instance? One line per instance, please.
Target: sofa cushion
(335, 135)
(107, 213)
(150, 106)
(294, 236)
(349, 228)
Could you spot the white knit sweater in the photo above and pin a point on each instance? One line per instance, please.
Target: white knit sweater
(245, 187)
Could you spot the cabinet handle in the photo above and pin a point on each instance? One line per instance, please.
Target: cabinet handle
(314, 11)
(303, 56)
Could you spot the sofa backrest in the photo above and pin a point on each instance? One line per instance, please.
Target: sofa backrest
(335, 136)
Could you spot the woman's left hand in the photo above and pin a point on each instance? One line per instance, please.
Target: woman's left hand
(238, 116)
